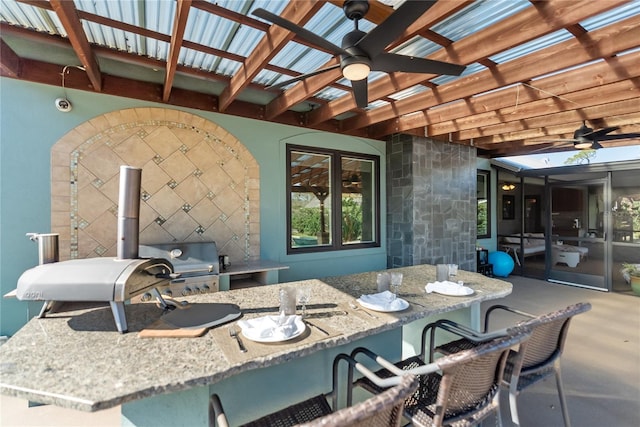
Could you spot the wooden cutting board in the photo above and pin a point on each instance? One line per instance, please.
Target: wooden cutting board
(191, 320)
(161, 329)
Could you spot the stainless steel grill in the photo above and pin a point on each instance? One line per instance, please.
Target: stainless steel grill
(195, 266)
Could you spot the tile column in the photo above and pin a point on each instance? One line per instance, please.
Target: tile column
(431, 205)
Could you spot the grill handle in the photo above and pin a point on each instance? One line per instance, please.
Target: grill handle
(167, 276)
(163, 274)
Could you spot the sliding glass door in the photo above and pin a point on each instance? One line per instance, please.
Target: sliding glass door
(625, 226)
(578, 250)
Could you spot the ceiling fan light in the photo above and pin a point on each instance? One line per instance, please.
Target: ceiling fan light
(356, 71)
(582, 145)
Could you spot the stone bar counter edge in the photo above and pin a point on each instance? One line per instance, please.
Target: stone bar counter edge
(77, 359)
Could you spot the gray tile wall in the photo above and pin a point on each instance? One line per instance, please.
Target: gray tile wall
(431, 202)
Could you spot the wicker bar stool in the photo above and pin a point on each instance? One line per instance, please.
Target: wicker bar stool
(460, 389)
(535, 359)
(382, 410)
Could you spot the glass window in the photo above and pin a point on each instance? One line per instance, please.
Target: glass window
(358, 202)
(333, 200)
(484, 204)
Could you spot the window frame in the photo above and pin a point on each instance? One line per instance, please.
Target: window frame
(336, 157)
(487, 177)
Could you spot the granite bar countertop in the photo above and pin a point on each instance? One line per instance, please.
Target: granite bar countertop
(77, 359)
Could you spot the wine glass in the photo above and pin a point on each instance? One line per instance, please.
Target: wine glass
(453, 272)
(304, 296)
(396, 281)
(382, 281)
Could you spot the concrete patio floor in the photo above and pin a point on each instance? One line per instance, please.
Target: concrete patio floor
(600, 367)
(601, 361)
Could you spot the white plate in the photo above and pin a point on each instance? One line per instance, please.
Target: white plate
(299, 325)
(375, 307)
(452, 291)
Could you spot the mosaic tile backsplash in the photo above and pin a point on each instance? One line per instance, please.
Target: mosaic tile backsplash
(198, 183)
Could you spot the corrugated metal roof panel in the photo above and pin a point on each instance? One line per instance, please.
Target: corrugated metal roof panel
(105, 36)
(219, 33)
(418, 47)
(377, 104)
(155, 16)
(15, 13)
(266, 77)
(300, 58)
(331, 93)
(533, 46)
(331, 24)
(471, 69)
(480, 14)
(618, 14)
(408, 92)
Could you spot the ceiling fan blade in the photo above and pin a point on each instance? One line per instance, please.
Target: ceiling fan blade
(303, 76)
(303, 33)
(618, 136)
(597, 134)
(549, 141)
(361, 92)
(549, 146)
(391, 62)
(377, 39)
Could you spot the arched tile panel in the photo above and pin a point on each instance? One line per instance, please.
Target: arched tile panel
(198, 183)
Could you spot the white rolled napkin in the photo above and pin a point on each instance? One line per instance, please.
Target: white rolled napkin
(384, 301)
(448, 288)
(277, 327)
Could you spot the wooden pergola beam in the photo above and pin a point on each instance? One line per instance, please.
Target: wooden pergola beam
(68, 16)
(559, 85)
(10, 63)
(550, 126)
(177, 34)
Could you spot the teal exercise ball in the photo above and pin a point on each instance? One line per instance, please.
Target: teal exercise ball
(502, 263)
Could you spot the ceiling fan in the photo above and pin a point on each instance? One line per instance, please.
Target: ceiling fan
(363, 52)
(585, 138)
(352, 180)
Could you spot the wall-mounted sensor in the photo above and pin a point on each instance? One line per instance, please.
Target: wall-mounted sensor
(63, 104)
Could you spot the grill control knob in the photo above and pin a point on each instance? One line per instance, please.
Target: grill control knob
(168, 292)
(175, 253)
(146, 297)
(205, 289)
(186, 291)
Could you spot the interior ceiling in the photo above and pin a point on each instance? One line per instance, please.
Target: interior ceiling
(535, 70)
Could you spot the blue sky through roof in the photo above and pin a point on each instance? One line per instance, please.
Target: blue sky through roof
(550, 160)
